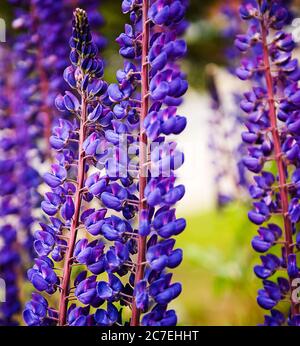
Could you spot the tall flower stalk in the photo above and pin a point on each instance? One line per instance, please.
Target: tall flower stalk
(143, 154)
(63, 304)
(75, 141)
(272, 139)
(151, 45)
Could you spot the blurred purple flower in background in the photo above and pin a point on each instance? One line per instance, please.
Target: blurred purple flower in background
(18, 192)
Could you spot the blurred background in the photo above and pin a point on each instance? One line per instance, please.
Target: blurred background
(219, 287)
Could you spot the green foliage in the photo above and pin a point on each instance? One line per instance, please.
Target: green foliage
(199, 9)
(114, 25)
(218, 269)
(205, 42)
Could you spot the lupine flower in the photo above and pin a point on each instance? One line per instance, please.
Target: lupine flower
(72, 140)
(61, 198)
(272, 140)
(152, 33)
(38, 313)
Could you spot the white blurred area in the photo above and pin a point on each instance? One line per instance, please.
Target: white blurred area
(197, 174)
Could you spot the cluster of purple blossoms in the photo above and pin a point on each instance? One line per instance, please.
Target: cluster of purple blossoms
(115, 169)
(272, 136)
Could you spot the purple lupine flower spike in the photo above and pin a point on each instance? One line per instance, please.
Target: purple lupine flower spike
(272, 137)
(70, 189)
(149, 89)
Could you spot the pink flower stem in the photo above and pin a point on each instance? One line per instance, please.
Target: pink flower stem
(64, 299)
(141, 256)
(283, 189)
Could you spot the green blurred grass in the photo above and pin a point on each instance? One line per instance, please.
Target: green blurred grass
(219, 287)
